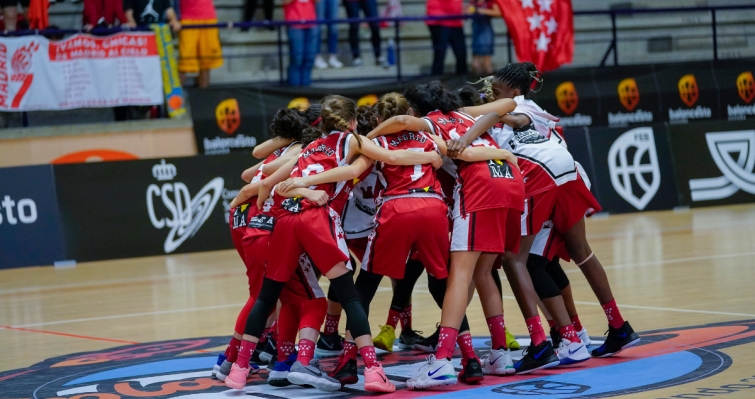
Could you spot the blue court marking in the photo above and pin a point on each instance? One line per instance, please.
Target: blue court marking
(597, 380)
(149, 369)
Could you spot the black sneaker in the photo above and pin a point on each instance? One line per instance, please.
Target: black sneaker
(269, 351)
(537, 358)
(472, 372)
(429, 344)
(329, 345)
(407, 339)
(617, 340)
(555, 337)
(346, 372)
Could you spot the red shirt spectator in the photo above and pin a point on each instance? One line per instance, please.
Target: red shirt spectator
(198, 10)
(103, 12)
(300, 10)
(442, 8)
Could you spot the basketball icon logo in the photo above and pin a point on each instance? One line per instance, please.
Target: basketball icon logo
(300, 103)
(228, 116)
(688, 90)
(629, 93)
(746, 86)
(566, 95)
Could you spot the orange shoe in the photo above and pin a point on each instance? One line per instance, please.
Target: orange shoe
(236, 379)
(376, 381)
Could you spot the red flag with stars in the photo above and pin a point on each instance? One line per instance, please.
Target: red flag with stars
(542, 31)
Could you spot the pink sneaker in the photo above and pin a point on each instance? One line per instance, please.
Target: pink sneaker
(376, 381)
(236, 379)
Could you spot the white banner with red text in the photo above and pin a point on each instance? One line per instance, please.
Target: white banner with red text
(82, 71)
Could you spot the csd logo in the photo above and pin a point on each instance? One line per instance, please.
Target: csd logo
(228, 116)
(300, 103)
(688, 90)
(629, 93)
(746, 86)
(566, 95)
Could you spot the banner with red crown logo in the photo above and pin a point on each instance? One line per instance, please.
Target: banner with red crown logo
(82, 71)
(542, 31)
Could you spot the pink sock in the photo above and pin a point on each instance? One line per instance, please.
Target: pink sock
(612, 314)
(306, 351)
(446, 342)
(567, 332)
(497, 332)
(369, 356)
(232, 350)
(274, 330)
(576, 323)
(406, 319)
(245, 353)
(265, 334)
(393, 318)
(349, 350)
(465, 344)
(537, 335)
(285, 349)
(331, 324)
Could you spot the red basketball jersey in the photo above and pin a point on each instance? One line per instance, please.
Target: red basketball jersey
(479, 185)
(406, 181)
(320, 155)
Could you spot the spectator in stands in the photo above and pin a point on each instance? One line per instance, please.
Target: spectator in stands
(303, 40)
(104, 14)
(146, 12)
(250, 8)
(447, 32)
(328, 10)
(369, 8)
(10, 12)
(198, 49)
(483, 38)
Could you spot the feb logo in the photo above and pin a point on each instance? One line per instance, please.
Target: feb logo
(633, 179)
(688, 90)
(746, 86)
(300, 103)
(629, 93)
(566, 95)
(228, 116)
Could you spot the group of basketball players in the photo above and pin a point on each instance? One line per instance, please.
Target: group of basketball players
(458, 184)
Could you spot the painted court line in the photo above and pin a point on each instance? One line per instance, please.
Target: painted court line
(70, 335)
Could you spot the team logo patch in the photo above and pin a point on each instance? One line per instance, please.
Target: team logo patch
(182, 369)
(688, 90)
(228, 116)
(629, 93)
(734, 154)
(746, 86)
(566, 95)
(628, 171)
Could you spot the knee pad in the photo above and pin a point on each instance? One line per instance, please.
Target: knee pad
(366, 286)
(557, 273)
(356, 317)
(543, 283)
(264, 304)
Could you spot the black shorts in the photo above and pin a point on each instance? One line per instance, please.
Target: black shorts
(14, 3)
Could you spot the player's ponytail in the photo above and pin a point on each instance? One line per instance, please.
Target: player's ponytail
(431, 96)
(288, 124)
(337, 113)
(523, 76)
(365, 119)
(391, 104)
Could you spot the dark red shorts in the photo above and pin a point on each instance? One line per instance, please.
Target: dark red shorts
(494, 230)
(303, 284)
(316, 232)
(357, 246)
(574, 202)
(255, 253)
(403, 224)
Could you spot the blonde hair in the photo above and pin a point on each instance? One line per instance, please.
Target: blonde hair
(487, 88)
(391, 104)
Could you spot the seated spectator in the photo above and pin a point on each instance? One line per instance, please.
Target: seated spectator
(328, 10)
(369, 8)
(146, 12)
(198, 49)
(10, 12)
(447, 32)
(104, 14)
(303, 41)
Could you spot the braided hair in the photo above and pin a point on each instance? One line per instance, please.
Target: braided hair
(523, 76)
(336, 112)
(431, 96)
(365, 119)
(391, 104)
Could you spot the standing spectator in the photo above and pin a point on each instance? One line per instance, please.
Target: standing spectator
(483, 38)
(302, 41)
(251, 7)
(328, 10)
(369, 8)
(199, 49)
(104, 14)
(447, 32)
(146, 12)
(10, 12)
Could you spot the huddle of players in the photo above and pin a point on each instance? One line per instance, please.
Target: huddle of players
(288, 225)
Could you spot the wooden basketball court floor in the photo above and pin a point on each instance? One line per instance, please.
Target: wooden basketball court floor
(685, 278)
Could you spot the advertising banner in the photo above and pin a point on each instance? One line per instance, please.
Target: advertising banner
(81, 71)
(148, 207)
(629, 95)
(689, 92)
(633, 168)
(737, 89)
(715, 162)
(571, 97)
(30, 232)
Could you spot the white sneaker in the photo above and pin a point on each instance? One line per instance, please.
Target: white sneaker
(357, 62)
(584, 336)
(382, 61)
(497, 362)
(434, 373)
(334, 62)
(320, 62)
(571, 353)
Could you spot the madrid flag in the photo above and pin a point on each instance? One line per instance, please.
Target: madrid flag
(542, 31)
